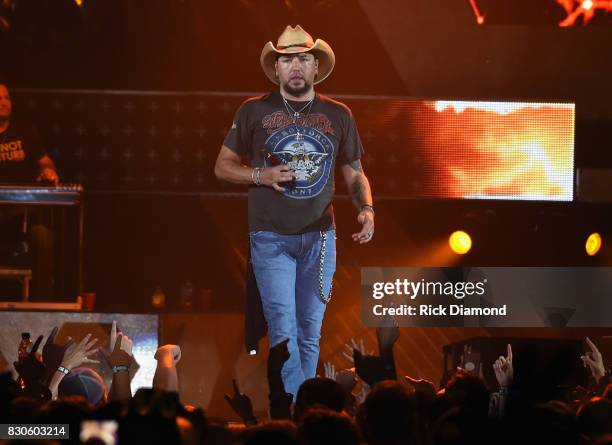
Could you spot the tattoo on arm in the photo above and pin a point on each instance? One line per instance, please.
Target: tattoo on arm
(358, 192)
(359, 186)
(356, 165)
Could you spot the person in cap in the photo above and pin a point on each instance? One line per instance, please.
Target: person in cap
(285, 145)
(84, 382)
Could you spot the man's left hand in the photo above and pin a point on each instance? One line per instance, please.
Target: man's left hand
(366, 219)
(48, 175)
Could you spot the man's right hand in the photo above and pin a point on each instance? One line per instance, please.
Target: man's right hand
(273, 176)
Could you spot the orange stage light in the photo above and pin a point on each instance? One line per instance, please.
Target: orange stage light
(460, 242)
(593, 244)
(479, 16)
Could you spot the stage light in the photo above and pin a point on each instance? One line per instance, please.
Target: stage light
(479, 16)
(460, 242)
(587, 4)
(593, 244)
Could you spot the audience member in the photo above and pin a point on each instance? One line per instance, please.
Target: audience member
(60, 386)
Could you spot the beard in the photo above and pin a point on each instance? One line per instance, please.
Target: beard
(297, 91)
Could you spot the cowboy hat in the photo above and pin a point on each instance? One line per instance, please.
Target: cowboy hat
(296, 40)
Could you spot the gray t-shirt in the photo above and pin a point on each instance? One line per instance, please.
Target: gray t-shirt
(264, 133)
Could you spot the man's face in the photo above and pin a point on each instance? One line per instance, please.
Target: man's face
(6, 106)
(296, 72)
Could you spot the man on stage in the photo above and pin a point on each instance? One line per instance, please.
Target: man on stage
(291, 140)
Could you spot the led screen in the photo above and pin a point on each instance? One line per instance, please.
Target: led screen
(494, 150)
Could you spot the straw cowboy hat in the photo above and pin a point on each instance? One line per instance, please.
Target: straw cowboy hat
(296, 40)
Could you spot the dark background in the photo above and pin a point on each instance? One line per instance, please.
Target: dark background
(131, 54)
(413, 48)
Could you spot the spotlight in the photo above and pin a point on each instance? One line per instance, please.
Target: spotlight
(587, 4)
(460, 242)
(593, 244)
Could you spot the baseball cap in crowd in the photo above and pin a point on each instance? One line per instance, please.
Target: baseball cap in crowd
(83, 382)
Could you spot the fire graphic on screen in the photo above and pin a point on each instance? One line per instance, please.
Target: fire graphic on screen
(582, 8)
(576, 11)
(497, 150)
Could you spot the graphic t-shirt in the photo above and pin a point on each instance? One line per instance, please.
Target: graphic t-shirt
(20, 150)
(264, 132)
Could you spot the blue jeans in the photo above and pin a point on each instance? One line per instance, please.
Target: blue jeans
(287, 270)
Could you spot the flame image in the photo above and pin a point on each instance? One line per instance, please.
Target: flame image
(582, 8)
(498, 150)
(574, 10)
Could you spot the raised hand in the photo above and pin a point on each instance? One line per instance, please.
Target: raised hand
(347, 378)
(79, 353)
(125, 345)
(166, 375)
(372, 369)
(330, 370)
(242, 405)
(169, 354)
(279, 354)
(280, 405)
(31, 369)
(387, 336)
(119, 356)
(351, 346)
(594, 361)
(504, 372)
(53, 353)
(422, 386)
(113, 337)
